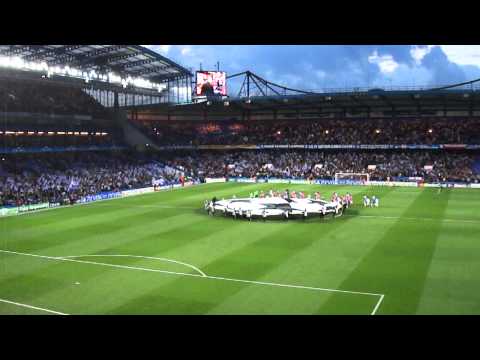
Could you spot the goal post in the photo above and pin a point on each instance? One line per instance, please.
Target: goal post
(363, 178)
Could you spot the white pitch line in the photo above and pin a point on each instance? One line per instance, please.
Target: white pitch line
(99, 263)
(31, 307)
(198, 275)
(139, 257)
(378, 305)
(293, 286)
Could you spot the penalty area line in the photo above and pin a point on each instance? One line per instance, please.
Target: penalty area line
(378, 305)
(199, 275)
(138, 257)
(31, 307)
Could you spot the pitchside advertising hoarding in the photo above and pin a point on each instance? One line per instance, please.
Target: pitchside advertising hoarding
(215, 180)
(137, 191)
(210, 83)
(22, 209)
(101, 196)
(28, 208)
(340, 182)
(319, 146)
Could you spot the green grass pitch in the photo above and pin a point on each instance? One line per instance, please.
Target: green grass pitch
(418, 253)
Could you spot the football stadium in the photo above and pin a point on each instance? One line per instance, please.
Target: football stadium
(132, 185)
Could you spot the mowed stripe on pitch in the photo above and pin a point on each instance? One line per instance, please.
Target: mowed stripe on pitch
(221, 244)
(399, 262)
(135, 286)
(229, 243)
(112, 276)
(298, 238)
(197, 292)
(128, 230)
(104, 241)
(451, 286)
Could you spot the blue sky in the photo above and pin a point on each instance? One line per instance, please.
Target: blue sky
(330, 66)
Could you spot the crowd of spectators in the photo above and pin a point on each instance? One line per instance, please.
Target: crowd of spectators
(34, 97)
(67, 177)
(325, 131)
(324, 165)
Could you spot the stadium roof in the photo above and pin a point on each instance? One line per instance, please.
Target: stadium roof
(128, 60)
(348, 102)
(369, 100)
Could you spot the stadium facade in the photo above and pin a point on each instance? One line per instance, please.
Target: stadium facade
(123, 98)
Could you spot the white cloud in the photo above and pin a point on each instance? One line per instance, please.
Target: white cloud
(186, 50)
(386, 63)
(407, 75)
(419, 52)
(462, 54)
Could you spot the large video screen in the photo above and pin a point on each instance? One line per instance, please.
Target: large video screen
(211, 83)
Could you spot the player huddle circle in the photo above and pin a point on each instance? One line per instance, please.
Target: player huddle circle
(279, 205)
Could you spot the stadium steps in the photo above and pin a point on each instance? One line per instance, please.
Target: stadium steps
(133, 135)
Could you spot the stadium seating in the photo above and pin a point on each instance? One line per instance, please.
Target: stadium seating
(65, 177)
(325, 131)
(36, 115)
(34, 97)
(451, 166)
(26, 179)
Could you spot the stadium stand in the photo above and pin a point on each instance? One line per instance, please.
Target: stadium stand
(325, 131)
(67, 177)
(39, 115)
(396, 166)
(34, 97)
